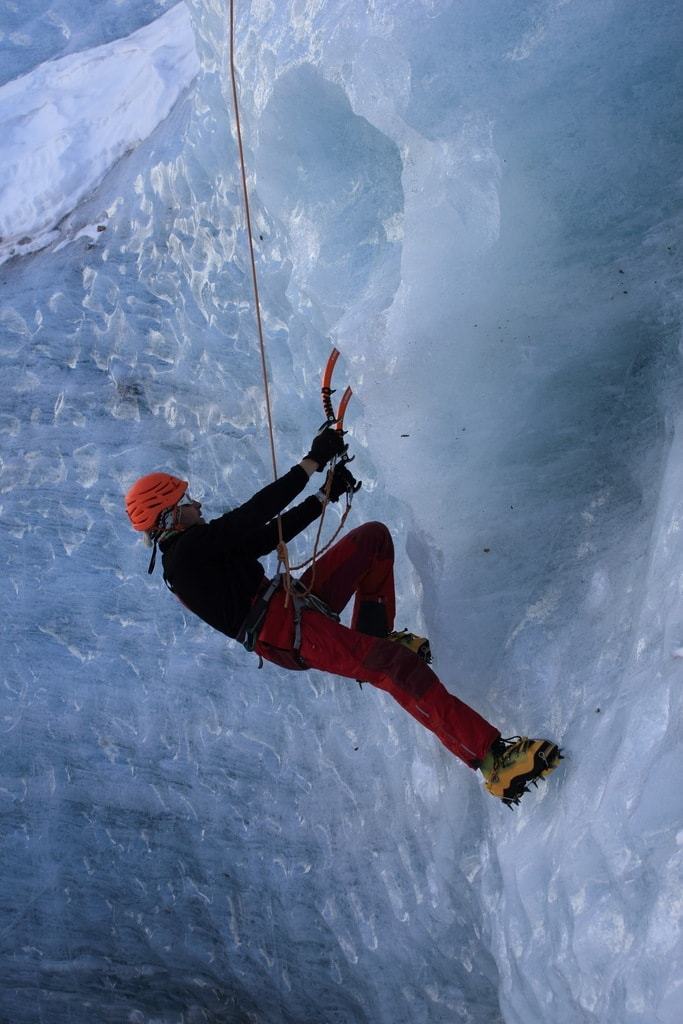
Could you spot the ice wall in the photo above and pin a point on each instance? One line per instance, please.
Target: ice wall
(530, 355)
(68, 121)
(479, 203)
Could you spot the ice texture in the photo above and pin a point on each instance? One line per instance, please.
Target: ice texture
(480, 204)
(68, 121)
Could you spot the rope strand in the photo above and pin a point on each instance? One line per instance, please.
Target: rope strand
(282, 547)
(282, 551)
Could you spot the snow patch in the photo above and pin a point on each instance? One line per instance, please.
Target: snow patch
(67, 122)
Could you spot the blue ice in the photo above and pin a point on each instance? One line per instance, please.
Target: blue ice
(480, 204)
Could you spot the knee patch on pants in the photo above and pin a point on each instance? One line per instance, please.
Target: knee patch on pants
(403, 670)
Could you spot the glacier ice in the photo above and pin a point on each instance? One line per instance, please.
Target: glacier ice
(480, 204)
(66, 122)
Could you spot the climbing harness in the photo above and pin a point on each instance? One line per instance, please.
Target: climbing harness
(302, 600)
(249, 631)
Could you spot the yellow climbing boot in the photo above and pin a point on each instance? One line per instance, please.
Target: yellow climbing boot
(512, 764)
(417, 644)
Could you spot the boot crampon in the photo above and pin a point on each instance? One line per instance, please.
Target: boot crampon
(511, 764)
(417, 644)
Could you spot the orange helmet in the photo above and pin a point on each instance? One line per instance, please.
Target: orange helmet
(150, 496)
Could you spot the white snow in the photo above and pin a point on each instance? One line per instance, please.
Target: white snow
(66, 123)
(480, 204)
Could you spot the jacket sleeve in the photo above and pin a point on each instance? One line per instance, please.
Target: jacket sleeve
(232, 528)
(266, 539)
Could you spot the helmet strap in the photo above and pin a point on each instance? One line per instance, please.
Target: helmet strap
(153, 559)
(167, 524)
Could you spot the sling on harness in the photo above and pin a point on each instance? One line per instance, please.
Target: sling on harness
(301, 600)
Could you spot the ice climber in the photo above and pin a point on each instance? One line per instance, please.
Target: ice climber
(213, 568)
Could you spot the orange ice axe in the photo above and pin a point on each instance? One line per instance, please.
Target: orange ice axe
(333, 419)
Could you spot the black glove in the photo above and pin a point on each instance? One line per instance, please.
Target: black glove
(326, 444)
(342, 482)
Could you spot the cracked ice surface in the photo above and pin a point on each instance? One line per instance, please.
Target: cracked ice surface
(480, 203)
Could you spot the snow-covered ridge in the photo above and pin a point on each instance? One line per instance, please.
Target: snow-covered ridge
(64, 124)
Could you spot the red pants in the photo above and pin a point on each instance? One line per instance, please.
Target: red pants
(363, 564)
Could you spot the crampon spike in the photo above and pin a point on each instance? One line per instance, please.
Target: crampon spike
(520, 765)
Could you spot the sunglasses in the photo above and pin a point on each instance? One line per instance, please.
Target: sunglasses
(187, 500)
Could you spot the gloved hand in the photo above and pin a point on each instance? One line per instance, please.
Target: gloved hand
(326, 444)
(342, 482)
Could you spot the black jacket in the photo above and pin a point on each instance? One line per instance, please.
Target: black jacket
(213, 567)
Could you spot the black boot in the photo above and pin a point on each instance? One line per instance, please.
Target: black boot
(372, 619)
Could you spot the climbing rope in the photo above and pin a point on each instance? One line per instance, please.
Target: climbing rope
(282, 551)
(282, 547)
(247, 210)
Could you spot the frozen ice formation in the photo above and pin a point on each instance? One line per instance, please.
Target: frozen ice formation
(66, 123)
(479, 203)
